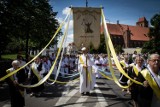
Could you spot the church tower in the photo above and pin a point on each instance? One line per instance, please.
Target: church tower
(142, 22)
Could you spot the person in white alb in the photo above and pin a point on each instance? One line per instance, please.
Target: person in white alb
(98, 66)
(66, 64)
(87, 81)
(62, 69)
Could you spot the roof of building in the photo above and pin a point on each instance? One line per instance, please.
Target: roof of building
(142, 19)
(137, 32)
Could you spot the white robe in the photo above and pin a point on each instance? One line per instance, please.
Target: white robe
(98, 75)
(66, 63)
(86, 84)
(104, 63)
(62, 69)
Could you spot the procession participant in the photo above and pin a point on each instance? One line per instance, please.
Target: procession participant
(36, 74)
(16, 92)
(134, 56)
(62, 69)
(22, 63)
(87, 80)
(76, 62)
(54, 72)
(139, 66)
(26, 68)
(125, 65)
(98, 66)
(52, 57)
(145, 57)
(121, 57)
(67, 64)
(149, 93)
(72, 62)
(47, 65)
(104, 62)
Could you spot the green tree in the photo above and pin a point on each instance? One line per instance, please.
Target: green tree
(32, 22)
(4, 26)
(92, 50)
(118, 49)
(102, 46)
(154, 34)
(148, 47)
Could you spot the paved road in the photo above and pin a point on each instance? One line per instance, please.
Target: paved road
(105, 94)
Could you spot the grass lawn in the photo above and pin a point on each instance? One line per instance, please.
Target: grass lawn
(9, 56)
(12, 56)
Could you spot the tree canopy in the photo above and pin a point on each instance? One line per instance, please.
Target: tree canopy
(154, 34)
(26, 19)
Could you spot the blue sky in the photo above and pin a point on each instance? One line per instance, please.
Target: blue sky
(126, 11)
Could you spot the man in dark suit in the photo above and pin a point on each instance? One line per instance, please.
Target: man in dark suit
(138, 67)
(149, 93)
(16, 92)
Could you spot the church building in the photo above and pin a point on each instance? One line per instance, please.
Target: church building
(129, 36)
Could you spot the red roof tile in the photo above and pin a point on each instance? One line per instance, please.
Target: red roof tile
(138, 33)
(142, 19)
(114, 29)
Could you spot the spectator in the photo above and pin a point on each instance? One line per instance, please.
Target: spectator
(149, 93)
(16, 92)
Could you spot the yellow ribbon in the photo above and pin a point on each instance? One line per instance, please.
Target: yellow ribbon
(52, 68)
(151, 82)
(135, 70)
(35, 72)
(11, 73)
(105, 76)
(12, 79)
(122, 62)
(110, 46)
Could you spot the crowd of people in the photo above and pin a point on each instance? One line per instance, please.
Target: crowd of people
(137, 66)
(142, 68)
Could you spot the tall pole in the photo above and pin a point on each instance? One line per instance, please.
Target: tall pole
(86, 3)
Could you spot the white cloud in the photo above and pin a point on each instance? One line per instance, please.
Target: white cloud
(70, 36)
(70, 32)
(69, 39)
(60, 20)
(66, 10)
(70, 28)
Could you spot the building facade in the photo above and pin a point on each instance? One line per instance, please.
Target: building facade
(129, 36)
